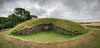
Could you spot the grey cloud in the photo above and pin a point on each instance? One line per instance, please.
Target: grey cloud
(75, 10)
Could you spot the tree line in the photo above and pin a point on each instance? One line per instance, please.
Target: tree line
(19, 15)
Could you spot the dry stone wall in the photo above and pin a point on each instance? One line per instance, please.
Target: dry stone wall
(43, 27)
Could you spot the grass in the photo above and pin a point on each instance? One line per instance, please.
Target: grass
(63, 24)
(87, 40)
(93, 24)
(47, 37)
(4, 43)
(91, 40)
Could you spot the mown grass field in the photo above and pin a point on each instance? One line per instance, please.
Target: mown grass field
(93, 24)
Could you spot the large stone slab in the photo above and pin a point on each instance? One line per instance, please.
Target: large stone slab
(43, 27)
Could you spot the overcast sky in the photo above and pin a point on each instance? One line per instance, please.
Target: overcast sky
(75, 10)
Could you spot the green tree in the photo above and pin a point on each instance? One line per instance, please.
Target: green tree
(34, 16)
(5, 23)
(22, 13)
(18, 16)
(3, 20)
(1, 26)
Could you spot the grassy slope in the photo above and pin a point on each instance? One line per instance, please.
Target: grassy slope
(90, 41)
(37, 37)
(64, 24)
(4, 43)
(47, 37)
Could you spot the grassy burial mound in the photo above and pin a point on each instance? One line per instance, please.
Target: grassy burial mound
(46, 24)
(47, 30)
